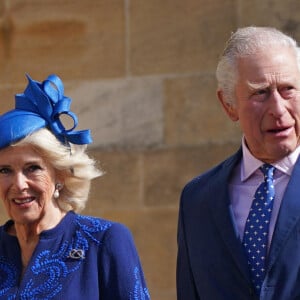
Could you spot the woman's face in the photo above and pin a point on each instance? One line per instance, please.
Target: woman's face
(27, 184)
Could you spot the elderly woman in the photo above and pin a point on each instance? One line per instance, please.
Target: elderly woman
(47, 249)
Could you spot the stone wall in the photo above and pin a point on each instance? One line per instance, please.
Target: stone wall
(141, 75)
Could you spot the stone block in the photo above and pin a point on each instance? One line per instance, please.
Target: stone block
(7, 97)
(283, 15)
(120, 186)
(121, 113)
(168, 170)
(3, 215)
(194, 115)
(178, 36)
(158, 294)
(76, 39)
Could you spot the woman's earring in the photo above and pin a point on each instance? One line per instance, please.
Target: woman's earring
(58, 187)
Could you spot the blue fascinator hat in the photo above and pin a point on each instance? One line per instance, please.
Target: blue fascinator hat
(40, 106)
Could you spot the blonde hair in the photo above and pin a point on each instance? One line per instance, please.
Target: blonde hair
(72, 164)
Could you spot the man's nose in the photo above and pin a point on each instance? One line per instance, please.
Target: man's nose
(277, 104)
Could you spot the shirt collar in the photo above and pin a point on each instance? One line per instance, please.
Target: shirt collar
(250, 164)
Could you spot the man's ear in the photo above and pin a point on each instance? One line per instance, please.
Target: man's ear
(229, 108)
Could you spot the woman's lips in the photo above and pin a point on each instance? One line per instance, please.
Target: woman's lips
(23, 200)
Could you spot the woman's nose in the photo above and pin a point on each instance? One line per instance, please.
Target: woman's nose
(20, 181)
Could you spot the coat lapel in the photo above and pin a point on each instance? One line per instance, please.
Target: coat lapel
(222, 214)
(288, 217)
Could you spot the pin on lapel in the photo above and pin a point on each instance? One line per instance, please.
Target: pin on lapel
(77, 254)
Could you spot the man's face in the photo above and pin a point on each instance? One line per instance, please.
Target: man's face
(268, 102)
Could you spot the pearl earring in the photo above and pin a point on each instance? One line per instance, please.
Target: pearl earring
(56, 194)
(58, 187)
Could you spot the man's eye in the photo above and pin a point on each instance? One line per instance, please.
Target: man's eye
(259, 95)
(260, 92)
(288, 92)
(287, 88)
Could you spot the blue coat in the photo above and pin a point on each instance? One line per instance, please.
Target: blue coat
(82, 258)
(211, 262)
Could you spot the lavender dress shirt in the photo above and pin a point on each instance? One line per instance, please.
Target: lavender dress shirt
(245, 180)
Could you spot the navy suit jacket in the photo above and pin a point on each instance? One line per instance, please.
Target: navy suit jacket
(211, 263)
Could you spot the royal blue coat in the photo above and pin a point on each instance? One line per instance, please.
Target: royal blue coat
(81, 258)
(211, 262)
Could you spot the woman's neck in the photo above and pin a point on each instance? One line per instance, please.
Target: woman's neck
(28, 234)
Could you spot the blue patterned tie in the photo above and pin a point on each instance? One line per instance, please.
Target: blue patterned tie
(255, 238)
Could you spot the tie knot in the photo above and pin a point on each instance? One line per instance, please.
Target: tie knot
(267, 170)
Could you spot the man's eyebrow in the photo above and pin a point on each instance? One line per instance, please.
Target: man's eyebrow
(257, 86)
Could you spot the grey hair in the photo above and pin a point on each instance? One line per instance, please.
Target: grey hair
(72, 164)
(246, 41)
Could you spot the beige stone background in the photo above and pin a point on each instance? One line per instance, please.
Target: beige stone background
(141, 76)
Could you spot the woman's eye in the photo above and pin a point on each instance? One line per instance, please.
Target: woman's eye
(4, 170)
(33, 168)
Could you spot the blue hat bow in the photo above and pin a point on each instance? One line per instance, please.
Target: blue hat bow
(41, 105)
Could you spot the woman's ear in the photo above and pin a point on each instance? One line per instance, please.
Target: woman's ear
(229, 108)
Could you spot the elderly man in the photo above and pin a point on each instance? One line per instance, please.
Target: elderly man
(239, 223)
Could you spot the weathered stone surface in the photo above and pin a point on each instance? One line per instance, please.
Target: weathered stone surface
(3, 215)
(193, 114)
(178, 36)
(77, 39)
(153, 177)
(282, 15)
(123, 113)
(168, 170)
(7, 98)
(121, 185)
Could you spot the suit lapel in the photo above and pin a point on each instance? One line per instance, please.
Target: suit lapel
(222, 215)
(288, 217)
